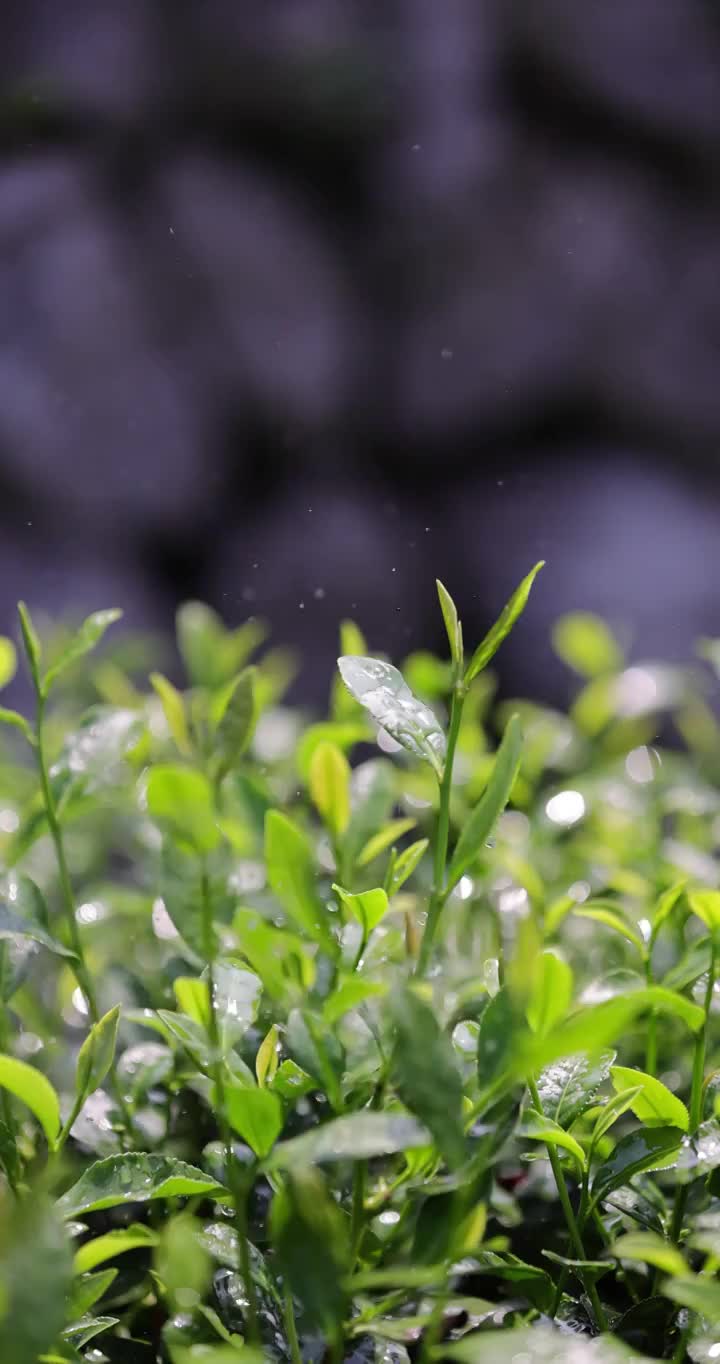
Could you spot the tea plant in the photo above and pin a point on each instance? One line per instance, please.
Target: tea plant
(310, 1052)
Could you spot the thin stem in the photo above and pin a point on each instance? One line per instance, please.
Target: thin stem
(438, 894)
(357, 1216)
(236, 1182)
(11, 1165)
(696, 1096)
(79, 966)
(572, 1226)
(291, 1326)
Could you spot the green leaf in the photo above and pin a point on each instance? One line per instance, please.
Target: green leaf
(540, 1345)
(383, 691)
(568, 1087)
(35, 1091)
(655, 1105)
(614, 1109)
(292, 876)
(541, 1128)
(368, 907)
(405, 864)
(212, 654)
(372, 796)
(502, 627)
(350, 995)
(112, 1243)
(267, 1059)
(551, 993)
(609, 915)
(600, 1025)
(496, 1037)
(649, 1149)
(182, 799)
(358, 1136)
(35, 1276)
(291, 1082)
(483, 818)
(311, 1240)
(452, 624)
(82, 1332)
(701, 1295)
(87, 1289)
(8, 660)
(134, 1178)
(182, 1262)
(317, 1051)
(15, 720)
(706, 905)
(383, 839)
(90, 633)
(12, 926)
(31, 642)
(426, 1074)
(329, 782)
(585, 643)
(256, 1115)
(193, 998)
(278, 956)
(343, 734)
(666, 904)
(174, 711)
(650, 1249)
(96, 1054)
(233, 712)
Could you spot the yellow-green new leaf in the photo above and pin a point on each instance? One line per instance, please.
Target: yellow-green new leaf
(503, 625)
(551, 993)
(368, 907)
(329, 782)
(96, 1054)
(292, 876)
(585, 643)
(35, 1091)
(452, 624)
(173, 706)
(113, 1243)
(611, 917)
(268, 1058)
(655, 1105)
(8, 660)
(90, 633)
(540, 1128)
(182, 799)
(395, 828)
(706, 905)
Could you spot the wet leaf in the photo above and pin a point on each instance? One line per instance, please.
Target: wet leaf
(568, 1087)
(541, 1128)
(369, 907)
(382, 690)
(134, 1178)
(112, 1243)
(452, 624)
(649, 1149)
(540, 1345)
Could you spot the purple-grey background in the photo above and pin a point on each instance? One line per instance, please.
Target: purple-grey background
(304, 302)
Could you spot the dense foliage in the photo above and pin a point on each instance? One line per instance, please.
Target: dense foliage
(309, 1052)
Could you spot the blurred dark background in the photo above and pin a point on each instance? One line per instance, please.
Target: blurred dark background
(307, 301)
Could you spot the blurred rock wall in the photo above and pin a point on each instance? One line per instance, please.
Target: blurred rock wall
(305, 301)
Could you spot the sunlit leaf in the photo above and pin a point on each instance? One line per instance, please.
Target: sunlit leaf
(90, 633)
(551, 994)
(329, 781)
(655, 1105)
(35, 1091)
(256, 1115)
(112, 1243)
(182, 798)
(382, 690)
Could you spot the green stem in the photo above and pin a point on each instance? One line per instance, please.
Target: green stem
(696, 1095)
(79, 966)
(11, 1166)
(572, 1226)
(291, 1327)
(357, 1217)
(438, 894)
(236, 1181)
